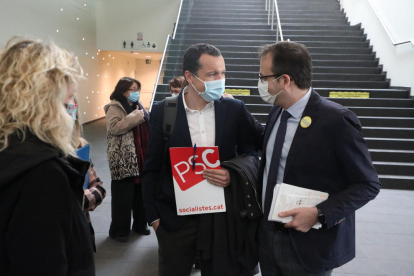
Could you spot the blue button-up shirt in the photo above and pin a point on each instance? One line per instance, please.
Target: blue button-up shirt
(296, 111)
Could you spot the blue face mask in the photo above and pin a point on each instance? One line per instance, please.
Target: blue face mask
(133, 96)
(72, 109)
(213, 89)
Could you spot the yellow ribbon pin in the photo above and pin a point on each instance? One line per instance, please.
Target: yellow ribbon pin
(306, 122)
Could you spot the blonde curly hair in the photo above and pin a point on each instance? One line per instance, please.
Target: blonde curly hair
(34, 80)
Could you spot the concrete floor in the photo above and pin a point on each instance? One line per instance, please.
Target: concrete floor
(385, 231)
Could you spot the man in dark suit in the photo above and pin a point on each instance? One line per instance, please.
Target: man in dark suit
(313, 143)
(204, 118)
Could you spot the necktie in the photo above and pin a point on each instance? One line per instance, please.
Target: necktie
(274, 164)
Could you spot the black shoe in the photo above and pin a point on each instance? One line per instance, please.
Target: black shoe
(146, 231)
(119, 238)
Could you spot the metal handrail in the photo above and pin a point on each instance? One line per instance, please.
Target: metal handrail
(384, 26)
(279, 26)
(163, 55)
(386, 29)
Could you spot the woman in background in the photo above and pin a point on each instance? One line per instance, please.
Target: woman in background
(127, 138)
(43, 230)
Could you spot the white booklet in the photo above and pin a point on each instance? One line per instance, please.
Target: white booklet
(287, 197)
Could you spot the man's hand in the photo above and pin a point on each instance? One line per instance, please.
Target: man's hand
(155, 225)
(303, 218)
(219, 177)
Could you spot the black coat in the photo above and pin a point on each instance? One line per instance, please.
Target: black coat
(43, 230)
(232, 246)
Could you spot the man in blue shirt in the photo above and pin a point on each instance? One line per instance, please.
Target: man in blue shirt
(313, 143)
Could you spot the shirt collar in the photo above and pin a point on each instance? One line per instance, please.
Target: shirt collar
(297, 109)
(210, 105)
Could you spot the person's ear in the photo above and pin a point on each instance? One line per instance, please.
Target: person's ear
(285, 81)
(188, 76)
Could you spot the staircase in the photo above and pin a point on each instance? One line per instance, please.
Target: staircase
(342, 58)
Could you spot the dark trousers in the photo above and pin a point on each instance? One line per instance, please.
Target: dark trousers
(126, 196)
(277, 256)
(177, 250)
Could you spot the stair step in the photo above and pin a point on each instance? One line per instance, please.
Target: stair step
(405, 122)
(264, 16)
(350, 84)
(339, 72)
(374, 93)
(390, 143)
(338, 22)
(359, 111)
(399, 103)
(253, 76)
(396, 182)
(394, 168)
(268, 31)
(271, 37)
(382, 111)
(392, 155)
(388, 132)
(315, 62)
(259, 43)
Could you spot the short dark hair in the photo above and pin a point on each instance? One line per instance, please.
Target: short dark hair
(122, 86)
(191, 60)
(176, 82)
(290, 58)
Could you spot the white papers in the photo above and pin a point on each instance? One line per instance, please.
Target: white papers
(287, 197)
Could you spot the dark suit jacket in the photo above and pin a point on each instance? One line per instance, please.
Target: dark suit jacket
(330, 156)
(234, 135)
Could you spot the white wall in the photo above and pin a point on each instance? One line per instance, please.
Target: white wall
(122, 20)
(77, 31)
(147, 74)
(398, 61)
(397, 16)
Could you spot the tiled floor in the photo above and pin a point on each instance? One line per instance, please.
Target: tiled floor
(385, 231)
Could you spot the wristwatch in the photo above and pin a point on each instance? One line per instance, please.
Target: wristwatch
(321, 217)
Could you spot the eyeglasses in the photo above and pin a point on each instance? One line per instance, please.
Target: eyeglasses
(268, 76)
(134, 90)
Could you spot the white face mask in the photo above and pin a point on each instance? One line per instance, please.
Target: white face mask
(263, 87)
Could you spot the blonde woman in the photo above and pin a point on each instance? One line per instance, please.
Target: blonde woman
(43, 230)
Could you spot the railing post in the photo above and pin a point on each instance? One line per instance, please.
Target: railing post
(266, 5)
(268, 14)
(277, 34)
(273, 13)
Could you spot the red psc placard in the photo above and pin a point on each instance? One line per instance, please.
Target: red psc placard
(182, 164)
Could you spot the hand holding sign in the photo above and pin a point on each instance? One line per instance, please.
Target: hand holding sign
(219, 178)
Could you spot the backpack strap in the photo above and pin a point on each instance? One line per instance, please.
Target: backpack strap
(170, 114)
